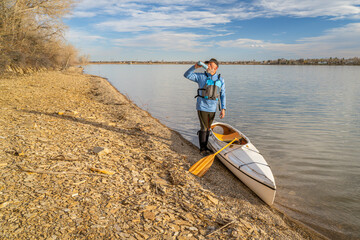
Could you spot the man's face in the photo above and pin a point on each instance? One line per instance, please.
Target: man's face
(212, 67)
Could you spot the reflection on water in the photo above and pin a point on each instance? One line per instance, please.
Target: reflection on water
(304, 120)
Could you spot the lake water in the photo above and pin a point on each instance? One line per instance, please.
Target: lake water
(305, 120)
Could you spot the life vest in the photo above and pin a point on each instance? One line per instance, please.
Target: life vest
(211, 89)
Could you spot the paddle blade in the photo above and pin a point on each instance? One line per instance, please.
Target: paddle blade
(202, 166)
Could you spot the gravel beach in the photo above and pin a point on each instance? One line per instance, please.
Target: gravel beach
(78, 160)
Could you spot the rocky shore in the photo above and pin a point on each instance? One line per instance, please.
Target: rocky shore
(78, 160)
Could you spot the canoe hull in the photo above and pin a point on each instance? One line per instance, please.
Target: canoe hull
(247, 164)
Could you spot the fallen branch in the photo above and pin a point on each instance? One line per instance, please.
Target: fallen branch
(63, 158)
(221, 228)
(163, 150)
(56, 173)
(104, 171)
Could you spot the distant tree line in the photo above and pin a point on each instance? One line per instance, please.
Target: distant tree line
(31, 34)
(282, 61)
(315, 61)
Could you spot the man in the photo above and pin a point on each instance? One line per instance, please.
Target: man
(211, 90)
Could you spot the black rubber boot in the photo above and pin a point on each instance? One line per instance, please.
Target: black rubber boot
(203, 137)
(207, 139)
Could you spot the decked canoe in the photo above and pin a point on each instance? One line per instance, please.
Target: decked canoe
(244, 160)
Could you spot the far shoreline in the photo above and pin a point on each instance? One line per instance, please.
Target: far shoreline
(281, 61)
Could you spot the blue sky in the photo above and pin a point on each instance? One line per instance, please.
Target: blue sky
(228, 30)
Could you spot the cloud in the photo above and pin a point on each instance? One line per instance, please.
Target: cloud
(194, 25)
(334, 42)
(164, 18)
(136, 15)
(115, 7)
(309, 8)
(169, 41)
(243, 43)
(334, 9)
(94, 4)
(78, 36)
(82, 14)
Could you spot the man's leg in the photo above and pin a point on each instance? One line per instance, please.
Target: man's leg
(206, 119)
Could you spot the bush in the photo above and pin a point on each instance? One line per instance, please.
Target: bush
(31, 34)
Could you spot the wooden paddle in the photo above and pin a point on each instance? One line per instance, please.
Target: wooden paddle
(201, 166)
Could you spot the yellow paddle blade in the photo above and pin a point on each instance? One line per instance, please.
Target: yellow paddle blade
(201, 166)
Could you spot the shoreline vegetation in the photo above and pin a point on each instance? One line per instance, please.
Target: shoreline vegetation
(32, 36)
(80, 160)
(323, 61)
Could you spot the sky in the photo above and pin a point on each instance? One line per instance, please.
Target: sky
(229, 30)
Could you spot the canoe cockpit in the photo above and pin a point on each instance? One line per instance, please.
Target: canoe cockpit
(226, 134)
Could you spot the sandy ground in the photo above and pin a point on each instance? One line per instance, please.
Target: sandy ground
(78, 160)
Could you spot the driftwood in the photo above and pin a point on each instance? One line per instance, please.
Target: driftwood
(63, 158)
(55, 173)
(217, 230)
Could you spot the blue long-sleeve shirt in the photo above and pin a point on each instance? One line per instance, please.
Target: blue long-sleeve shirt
(203, 104)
